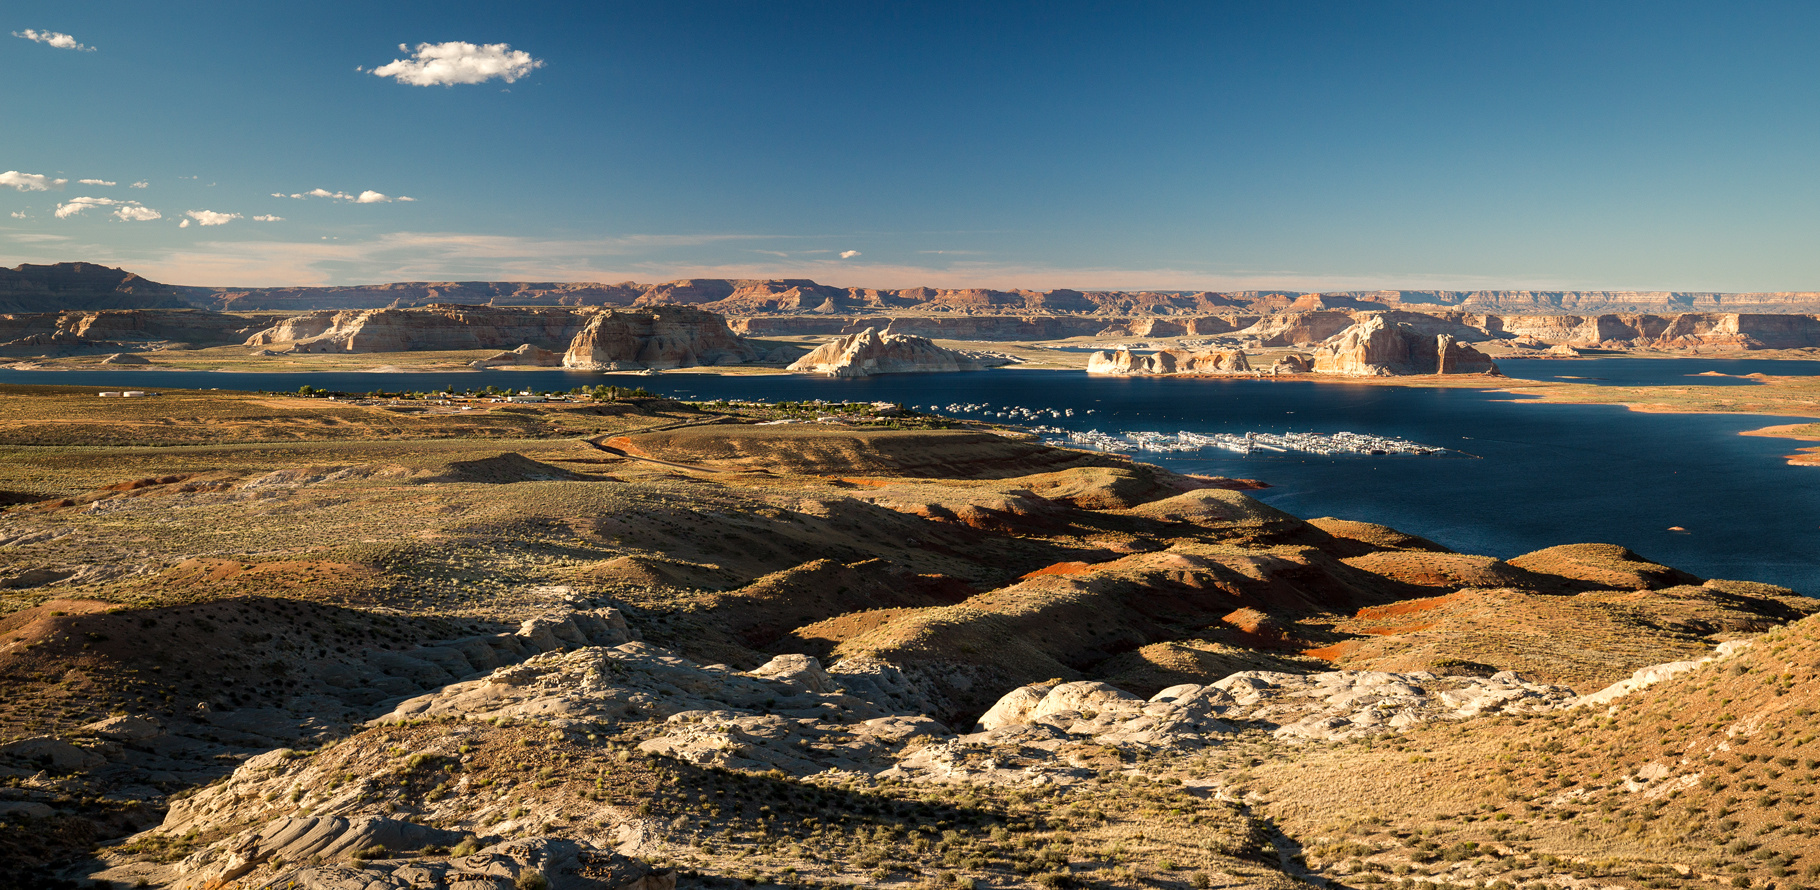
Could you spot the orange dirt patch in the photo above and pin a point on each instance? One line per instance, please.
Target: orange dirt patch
(1061, 568)
(1334, 652)
(1406, 607)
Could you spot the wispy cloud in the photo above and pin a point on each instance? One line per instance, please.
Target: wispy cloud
(30, 182)
(447, 64)
(848, 254)
(18, 214)
(131, 211)
(139, 185)
(209, 218)
(444, 256)
(268, 218)
(96, 182)
(366, 197)
(53, 38)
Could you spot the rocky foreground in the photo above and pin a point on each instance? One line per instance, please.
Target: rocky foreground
(635, 644)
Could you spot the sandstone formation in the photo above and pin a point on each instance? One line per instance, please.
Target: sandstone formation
(109, 330)
(1377, 347)
(433, 328)
(1169, 361)
(664, 337)
(870, 353)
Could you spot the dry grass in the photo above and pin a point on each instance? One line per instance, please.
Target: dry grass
(1706, 777)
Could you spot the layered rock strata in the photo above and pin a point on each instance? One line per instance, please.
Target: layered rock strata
(1122, 362)
(666, 337)
(110, 330)
(1378, 347)
(586, 339)
(869, 353)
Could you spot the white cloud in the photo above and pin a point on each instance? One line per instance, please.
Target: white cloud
(139, 185)
(53, 38)
(76, 205)
(211, 218)
(18, 214)
(446, 64)
(30, 182)
(184, 225)
(366, 197)
(128, 210)
(268, 218)
(96, 182)
(848, 254)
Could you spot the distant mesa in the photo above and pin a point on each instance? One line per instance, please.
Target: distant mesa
(60, 286)
(86, 308)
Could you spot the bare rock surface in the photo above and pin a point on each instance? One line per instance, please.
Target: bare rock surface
(869, 352)
(1122, 362)
(1324, 706)
(662, 337)
(1380, 347)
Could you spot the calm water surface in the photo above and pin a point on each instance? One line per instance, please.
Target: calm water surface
(1537, 475)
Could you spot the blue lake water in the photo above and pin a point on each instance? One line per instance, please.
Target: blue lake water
(1537, 475)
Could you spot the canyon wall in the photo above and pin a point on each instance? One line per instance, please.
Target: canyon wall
(589, 339)
(428, 328)
(115, 328)
(77, 285)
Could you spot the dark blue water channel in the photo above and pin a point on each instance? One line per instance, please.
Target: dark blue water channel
(1537, 475)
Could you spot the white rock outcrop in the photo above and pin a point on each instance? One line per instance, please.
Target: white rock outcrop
(1656, 673)
(1329, 705)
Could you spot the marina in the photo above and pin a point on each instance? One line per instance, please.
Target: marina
(1184, 442)
(1340, 443)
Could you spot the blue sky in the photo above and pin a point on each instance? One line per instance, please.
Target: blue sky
(1181, 146)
